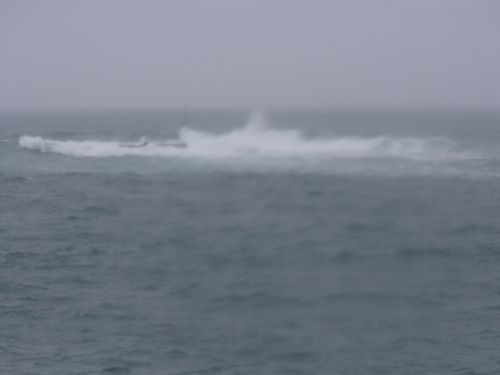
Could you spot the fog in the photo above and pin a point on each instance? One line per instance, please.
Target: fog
(156, 54)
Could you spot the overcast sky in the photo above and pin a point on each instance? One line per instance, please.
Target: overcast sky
(253, 54)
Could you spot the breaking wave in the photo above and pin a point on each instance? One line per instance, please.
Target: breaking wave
(256, 140)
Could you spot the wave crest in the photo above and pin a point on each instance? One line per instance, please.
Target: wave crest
(257, 140)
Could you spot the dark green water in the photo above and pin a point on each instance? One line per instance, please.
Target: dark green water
(365, 244)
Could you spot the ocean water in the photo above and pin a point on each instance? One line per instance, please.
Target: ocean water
(279, 243)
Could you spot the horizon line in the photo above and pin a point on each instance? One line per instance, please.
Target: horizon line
(326, 109)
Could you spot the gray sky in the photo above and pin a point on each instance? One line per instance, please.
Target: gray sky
(253, 53)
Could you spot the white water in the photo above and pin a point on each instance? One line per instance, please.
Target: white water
(257, 140)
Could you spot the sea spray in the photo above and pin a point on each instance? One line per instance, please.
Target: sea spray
(259, 140)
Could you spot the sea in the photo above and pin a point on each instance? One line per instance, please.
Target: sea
(249, 243)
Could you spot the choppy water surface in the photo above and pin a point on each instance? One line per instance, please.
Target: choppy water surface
(300, 244)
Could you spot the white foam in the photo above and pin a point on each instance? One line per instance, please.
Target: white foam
(257, 140)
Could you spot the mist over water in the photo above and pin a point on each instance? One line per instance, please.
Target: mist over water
(258, 145)
(258, 139)
(343, 241)
(292, 243)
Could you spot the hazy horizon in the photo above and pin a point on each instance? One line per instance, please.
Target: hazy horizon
(249, 187)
